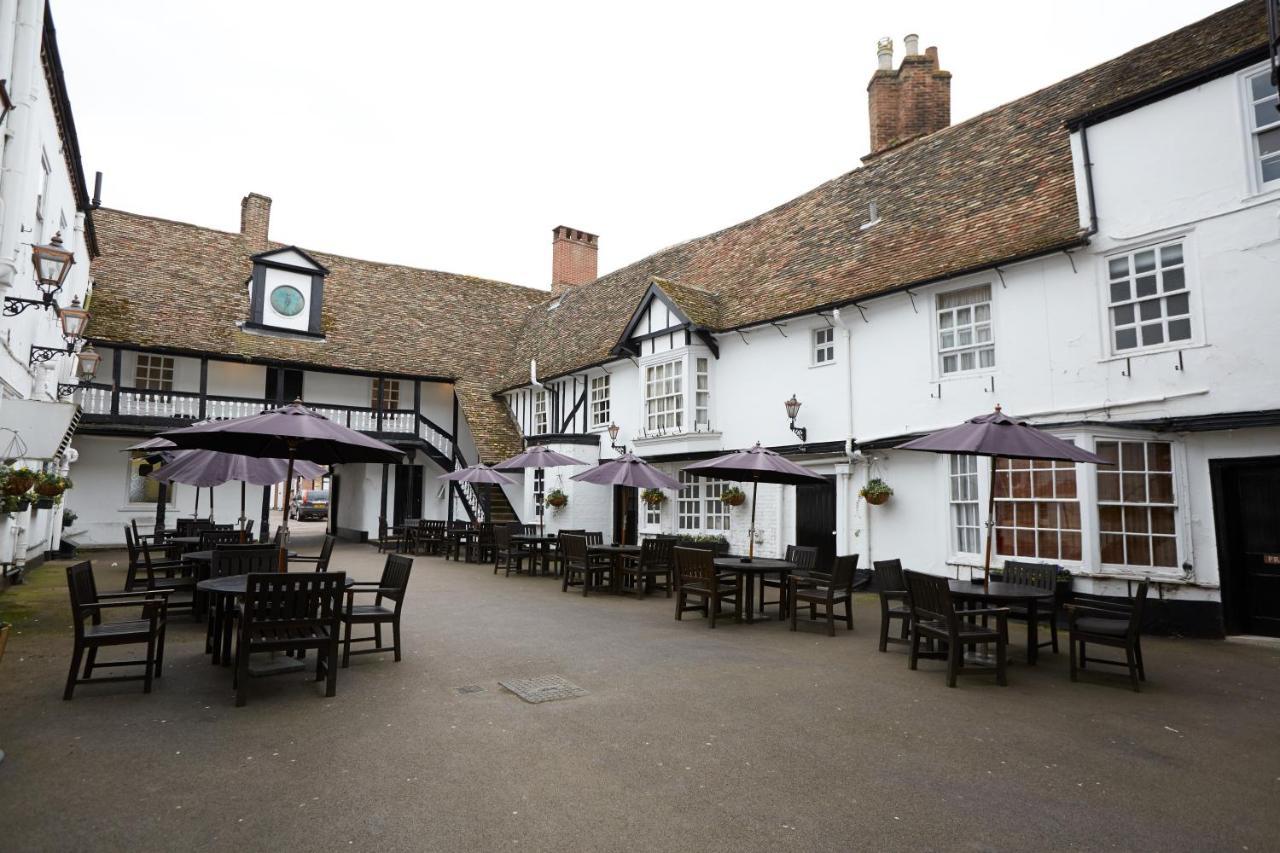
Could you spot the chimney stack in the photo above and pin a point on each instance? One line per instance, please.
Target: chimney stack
(573, 258)
(913, 101)
(255, 218)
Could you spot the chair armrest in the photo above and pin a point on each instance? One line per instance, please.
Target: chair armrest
(114, 605)
(1074, 610)
(1000, 612)
(305, 559)
(139, 594)
(801, 580)
(378, 589)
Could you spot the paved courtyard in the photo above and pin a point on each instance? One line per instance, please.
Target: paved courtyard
(748, 737)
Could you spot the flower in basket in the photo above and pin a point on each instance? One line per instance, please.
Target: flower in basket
(52, 485)
(733, 496)
(876, 492)
(555, 498)
(14, 503)
(19, 480)
(653, 497)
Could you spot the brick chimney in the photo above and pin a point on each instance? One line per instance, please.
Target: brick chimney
(573, 258)
(913, 101)
(255, 217)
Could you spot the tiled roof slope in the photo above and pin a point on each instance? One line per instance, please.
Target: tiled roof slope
(995, 187)
(170, 284)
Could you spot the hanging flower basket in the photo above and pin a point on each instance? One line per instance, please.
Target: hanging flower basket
(733, 496)
(556, 499)
(19, 480)
(653, 498)
(876, 492)
(51, 485)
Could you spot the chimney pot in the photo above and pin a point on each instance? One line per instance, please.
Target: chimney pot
(884, 53)
(573, 258)
(912, 44)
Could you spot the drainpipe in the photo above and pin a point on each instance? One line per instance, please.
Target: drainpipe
(18, 139)
(850, 453)
(1088, 180)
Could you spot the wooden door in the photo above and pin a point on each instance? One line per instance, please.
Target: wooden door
(816, 520)
(625, 518)
(408, 496)
(1247, 516)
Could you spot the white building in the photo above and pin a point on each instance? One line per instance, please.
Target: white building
(43, 199)
(1100, 257)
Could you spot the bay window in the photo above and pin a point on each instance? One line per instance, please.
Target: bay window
(664, 396)
(540, 413)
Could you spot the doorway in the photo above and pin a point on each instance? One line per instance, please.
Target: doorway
(625, 518)
(408, 497)
(1246, 510)
(816, 519)
(284, 385)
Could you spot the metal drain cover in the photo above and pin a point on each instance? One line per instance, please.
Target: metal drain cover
(469, 688)
(544, 688)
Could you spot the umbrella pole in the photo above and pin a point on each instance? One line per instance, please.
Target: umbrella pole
(284, 543)
(211, 503)
(242, 518)
(991, 524)
(195, 513)
(751, 534)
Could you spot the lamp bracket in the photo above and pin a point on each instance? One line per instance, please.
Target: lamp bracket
(802, 433)
(39, 355)
(15, 305)
(65, 390)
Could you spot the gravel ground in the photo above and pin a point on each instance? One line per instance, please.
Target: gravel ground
(743, 738)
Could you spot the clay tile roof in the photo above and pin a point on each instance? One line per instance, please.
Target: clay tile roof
(994, 188)
(168, 284)
(702, 307)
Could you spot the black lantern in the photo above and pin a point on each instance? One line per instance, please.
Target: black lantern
(87, 363)
(74, 319)
(52, 263)
(614, 429)
(793, 409)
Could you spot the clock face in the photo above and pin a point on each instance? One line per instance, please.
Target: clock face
(287, 301)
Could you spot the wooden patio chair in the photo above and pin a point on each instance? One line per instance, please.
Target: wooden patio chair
(159, 573)
(654, 562)
(826, 591)
(321, 560)
(1105, 622)
(227, 561)
(211, 539)
(87, 604)
(892, 589)
(934, 616)
(1042, 576)
(392, 586)
(698, 578)
(580, 568)
(505, 553)
(290, 612)
(806, 559)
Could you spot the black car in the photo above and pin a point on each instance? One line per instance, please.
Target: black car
(311, 505)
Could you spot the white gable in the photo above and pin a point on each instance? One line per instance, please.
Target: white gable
(290, 258)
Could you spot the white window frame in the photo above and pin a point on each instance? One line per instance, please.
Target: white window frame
(822, 346)
(42, 200)
(964, 504)
(600, 394)
(696, 373)
(1254, 130)
(1085, 503)
(390, 394)
(1190, 288)
(157, 368)
(656, 421)
(1177, 505)
(541, 416)
(138, 457)
(539, 484)
(942, 352)
(701, 391)
(699, 509)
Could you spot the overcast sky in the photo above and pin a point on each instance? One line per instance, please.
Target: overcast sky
(455, 136)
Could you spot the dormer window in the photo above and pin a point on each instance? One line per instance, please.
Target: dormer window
(286, 293)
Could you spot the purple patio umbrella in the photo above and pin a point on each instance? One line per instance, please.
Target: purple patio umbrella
(211, 468)
(757, 465)
(997, 435)
(291, 432)
(478, 473)
(627, 470)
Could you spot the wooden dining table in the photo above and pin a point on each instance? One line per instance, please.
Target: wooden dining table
(615, 552)
(747, 573)
(223, 592)
(1000, 594)
(542, 544)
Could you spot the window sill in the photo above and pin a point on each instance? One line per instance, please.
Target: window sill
(1161, 350)
(278, 332)
(968, 374)
(814, 365)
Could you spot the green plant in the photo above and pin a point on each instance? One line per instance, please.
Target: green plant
(733, 496)
(19, 480)
(69, 517)
(15, 503)
(876, 491)
(653, 497)
(555, 498)
(702, 539)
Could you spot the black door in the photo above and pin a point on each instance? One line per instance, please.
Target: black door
(1246, 505)
(816, 520)
(408, 502)
(625, 501)
(284, 385)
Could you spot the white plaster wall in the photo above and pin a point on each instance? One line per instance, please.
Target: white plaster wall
(344, 389)
(360, 501)
(230, 379)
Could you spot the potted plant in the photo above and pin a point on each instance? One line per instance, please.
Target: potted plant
(51, 485)
(653, 498)
(707, 541)
(876, 492)
(19, 480)
(14, 503)
(555, 499)
(69, 517)
(733, 496)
